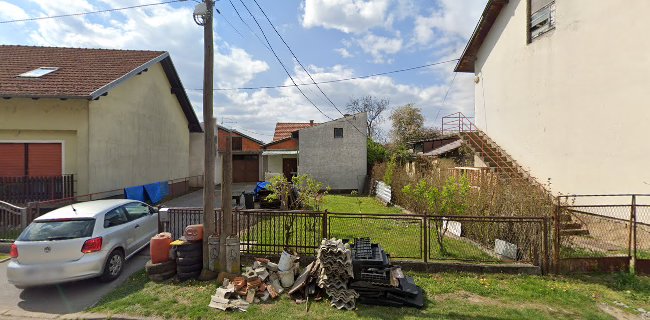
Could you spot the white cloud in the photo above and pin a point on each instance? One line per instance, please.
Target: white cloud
(10, 11)
(349, 16)
(455, 17)
(379, 47)
(343, 52)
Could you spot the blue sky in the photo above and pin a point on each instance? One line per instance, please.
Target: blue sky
(333, 39)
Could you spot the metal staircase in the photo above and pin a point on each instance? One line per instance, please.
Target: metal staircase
(499, 161)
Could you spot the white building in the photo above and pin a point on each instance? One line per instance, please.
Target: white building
(562, 86)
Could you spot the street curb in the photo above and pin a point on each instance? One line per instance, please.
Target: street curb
(20, 314)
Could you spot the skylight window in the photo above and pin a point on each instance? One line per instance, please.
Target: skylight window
(37, 73)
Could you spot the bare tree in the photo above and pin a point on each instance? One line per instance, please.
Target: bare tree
(374, 107)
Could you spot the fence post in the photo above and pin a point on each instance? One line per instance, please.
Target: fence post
(23, 216)
(425, 245)
(324, 231)
(556, 237)
(545, 236)
(632, 236)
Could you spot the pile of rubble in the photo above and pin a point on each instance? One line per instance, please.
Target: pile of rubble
(347, 273)
(263, 281)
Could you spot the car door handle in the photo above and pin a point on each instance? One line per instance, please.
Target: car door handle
(137, 226)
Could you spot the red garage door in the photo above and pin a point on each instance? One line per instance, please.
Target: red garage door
(30, 159)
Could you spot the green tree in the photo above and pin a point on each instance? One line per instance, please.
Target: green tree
(408, 125)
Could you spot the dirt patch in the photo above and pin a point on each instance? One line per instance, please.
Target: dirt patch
(473, 298)
(618, 313)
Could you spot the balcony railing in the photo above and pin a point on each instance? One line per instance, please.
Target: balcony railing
(21, 190)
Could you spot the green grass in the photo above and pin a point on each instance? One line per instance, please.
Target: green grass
(3, 256)
(448, 296)
(350, 204)
(399, 237)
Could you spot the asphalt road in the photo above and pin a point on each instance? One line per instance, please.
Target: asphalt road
(65, 298)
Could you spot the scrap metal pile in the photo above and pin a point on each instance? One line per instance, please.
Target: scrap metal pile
(347, 273)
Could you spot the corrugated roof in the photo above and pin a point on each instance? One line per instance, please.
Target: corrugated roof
(445, 148)
(283, 130)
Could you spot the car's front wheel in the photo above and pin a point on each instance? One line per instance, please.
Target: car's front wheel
(113, 267)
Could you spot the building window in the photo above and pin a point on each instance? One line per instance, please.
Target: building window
(338, 132)
(236, 143)
(542, 18)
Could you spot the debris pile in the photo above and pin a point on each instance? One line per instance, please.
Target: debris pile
(335, 261)
(263, 281)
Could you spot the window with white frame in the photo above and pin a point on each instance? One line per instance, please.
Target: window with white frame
(542, 17)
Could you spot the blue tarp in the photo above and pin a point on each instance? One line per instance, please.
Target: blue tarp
(156, 191)
(134, 193)
(260, 186)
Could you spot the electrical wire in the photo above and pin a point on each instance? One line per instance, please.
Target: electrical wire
(249, 28)
(231, 25)
(281, 63)
(451, 84)
(335, 80)
(303, 67)
(90, 12)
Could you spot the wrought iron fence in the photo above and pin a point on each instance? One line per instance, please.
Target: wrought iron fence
(602, 233)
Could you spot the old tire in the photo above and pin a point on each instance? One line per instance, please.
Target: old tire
(182, 276)
(113, 266)
(189, 268)
(158, 268)
(189, 254)
(160, 277)
(192, 246)
(186, 261)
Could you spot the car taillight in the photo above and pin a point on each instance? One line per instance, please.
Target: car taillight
(14, 251)
(92, 245)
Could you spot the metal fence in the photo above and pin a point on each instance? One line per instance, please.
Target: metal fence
(24, 189)
(403, 236)
(602, 233)
(11, 214)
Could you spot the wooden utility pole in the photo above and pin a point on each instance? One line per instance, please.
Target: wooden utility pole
(209, 223)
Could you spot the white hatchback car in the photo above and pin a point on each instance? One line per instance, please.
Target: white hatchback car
(80, 241)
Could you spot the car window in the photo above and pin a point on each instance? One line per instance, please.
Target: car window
(60, 229)
(136, 210)
(115, 217)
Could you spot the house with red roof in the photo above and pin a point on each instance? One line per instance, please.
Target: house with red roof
(105, 119)
(334, 152)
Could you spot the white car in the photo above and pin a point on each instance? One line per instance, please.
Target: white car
(80, 241)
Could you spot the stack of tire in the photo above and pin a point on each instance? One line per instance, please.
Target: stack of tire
(160, 267)
(189, 255)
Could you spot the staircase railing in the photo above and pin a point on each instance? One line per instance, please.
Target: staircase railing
(458, 123)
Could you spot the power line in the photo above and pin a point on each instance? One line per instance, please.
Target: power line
(91, 12)
(231, 25)
(336, 80)
(249, 27)
(281, 63)
(302, 66)
(451, 84)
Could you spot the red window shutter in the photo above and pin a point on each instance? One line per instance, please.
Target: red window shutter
(12, 159)
(44, 159)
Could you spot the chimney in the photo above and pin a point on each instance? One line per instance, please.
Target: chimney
(311, 122)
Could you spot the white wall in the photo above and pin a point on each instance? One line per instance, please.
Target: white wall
(572, 105)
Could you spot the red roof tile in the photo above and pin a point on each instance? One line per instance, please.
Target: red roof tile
(284, 129)
(81, 71)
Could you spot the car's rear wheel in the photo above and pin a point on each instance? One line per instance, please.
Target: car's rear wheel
(113, 267)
